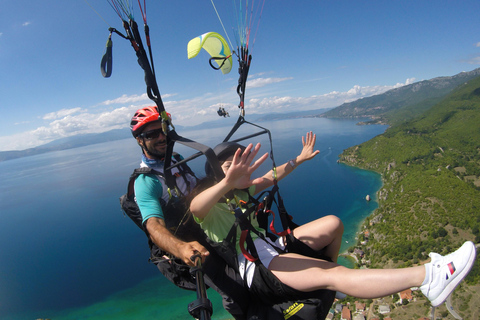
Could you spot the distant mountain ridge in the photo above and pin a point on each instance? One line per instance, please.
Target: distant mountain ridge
(404, 103)
(394, 106)
(68, 143)
(118, 134)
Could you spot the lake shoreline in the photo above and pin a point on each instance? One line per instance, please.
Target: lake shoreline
(351, 259)
(96, 291)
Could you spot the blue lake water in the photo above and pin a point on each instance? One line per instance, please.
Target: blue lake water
(67, 251)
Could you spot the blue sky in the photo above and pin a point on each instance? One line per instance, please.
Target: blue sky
(307, 55)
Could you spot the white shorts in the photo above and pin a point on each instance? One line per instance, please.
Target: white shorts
(265, 253)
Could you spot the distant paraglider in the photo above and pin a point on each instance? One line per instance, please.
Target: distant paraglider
(222, 112)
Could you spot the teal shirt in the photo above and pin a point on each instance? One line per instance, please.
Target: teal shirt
(148, 191)
(151, 193)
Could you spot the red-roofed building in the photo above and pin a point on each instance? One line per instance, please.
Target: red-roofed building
(346, 314)
(359, 306)
(406, 295)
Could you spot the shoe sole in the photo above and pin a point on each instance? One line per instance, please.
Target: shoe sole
(449, 288)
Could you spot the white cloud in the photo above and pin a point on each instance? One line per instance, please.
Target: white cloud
(261, 82)
(409, 81)
(21, 123)
(85, 122)
(73, 121)
(328, 100)
(19, 141)
(127, 99)
(26, 24)
(190, 112)
(69, 122)
(474, 60)
(259, 74)
(61, 113)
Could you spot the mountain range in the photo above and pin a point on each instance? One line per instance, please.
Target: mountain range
(392, 107)
(402, 104)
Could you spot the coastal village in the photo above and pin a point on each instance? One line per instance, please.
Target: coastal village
(378, 309)
(411, 302)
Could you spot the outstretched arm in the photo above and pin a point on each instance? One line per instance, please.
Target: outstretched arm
(236, 177)
(307, 153)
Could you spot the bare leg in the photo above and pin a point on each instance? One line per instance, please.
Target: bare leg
(325, 232)
(308, 274)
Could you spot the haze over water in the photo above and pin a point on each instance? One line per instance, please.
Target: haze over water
(67, 251)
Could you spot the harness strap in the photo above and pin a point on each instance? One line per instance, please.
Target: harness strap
(106, 63)
(244, 61)
(246, 254)
(133, 35)
(272, 226)
(285, 218)
(216, 59)
(134, 175)
(241, 120)
(183, 168)
(242, 220)
(246, 227)
(173, 137)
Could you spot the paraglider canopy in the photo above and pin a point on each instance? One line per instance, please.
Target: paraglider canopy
(216, 46)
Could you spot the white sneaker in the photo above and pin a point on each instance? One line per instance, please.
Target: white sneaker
(447, 272)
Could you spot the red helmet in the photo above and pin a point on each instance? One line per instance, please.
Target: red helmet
(143, 117)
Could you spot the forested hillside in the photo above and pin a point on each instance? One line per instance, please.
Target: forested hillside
(402, 104)
(430, 200)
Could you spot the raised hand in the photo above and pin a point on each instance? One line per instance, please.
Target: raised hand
(241, 167)
(308, 143)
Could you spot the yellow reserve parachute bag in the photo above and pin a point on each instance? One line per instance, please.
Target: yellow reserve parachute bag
(308, 309)
(274, 300)
(303, 306)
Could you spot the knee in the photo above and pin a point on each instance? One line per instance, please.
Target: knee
(335, 224)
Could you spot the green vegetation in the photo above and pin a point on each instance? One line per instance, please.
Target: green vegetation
(430, 165)
(429, 160)
(402, 104)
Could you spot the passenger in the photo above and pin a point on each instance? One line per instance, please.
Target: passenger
(436, 279)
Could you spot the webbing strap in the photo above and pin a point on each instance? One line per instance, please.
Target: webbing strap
(241, 120)
(244, 61)
(246, 243)
(272, 226)
(133, 35)
(150, 80)
(135, 174)
(173, 137)
(246, 254)
(106, 63)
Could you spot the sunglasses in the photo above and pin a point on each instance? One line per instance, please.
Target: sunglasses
(152, 134)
